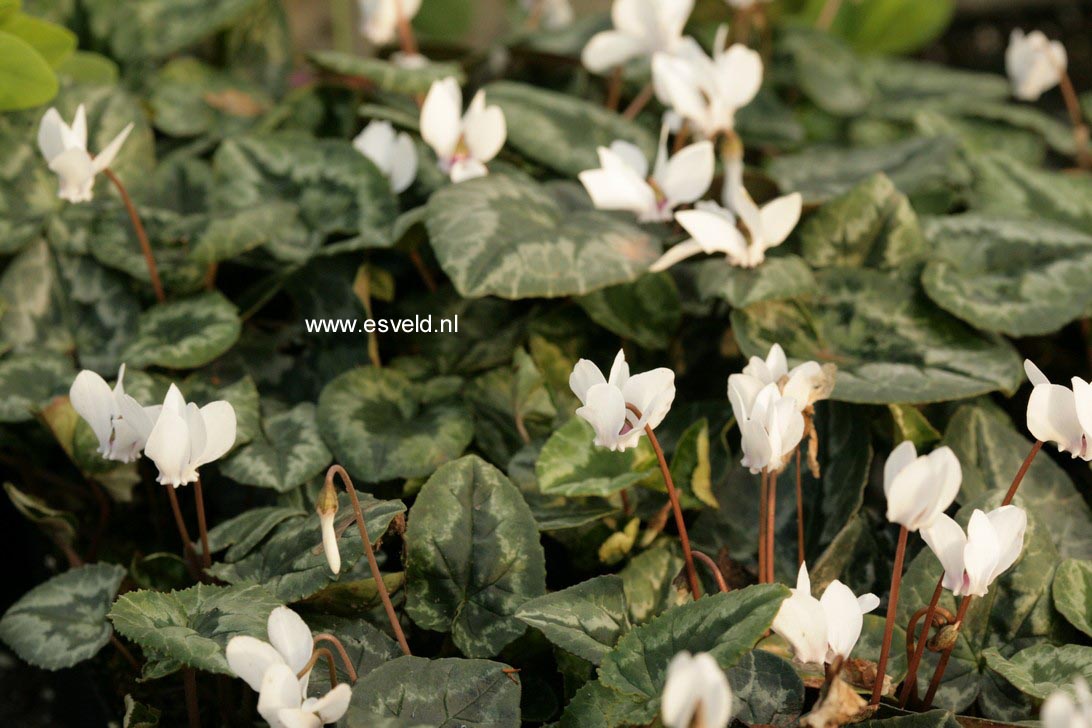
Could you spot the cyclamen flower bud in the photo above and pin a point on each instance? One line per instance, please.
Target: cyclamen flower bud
(326, 507)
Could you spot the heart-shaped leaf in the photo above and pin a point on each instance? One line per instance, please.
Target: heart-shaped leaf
(193, 626)
(504, 235)
(446, 693)
(185, 334)
(381, 425)
(29, 380)
(571, 464)
(1004, 185)
(889, 342)
(1041, 670)
(1019, 278)
(646, 311)
(1072, 592)
(473, 557)
(561, 131)
(287, 452)
(586, 619)
(781, 276)
(766, 690)
(63, 621)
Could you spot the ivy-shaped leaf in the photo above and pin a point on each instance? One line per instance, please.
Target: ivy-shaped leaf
(1041, 670)
(570, 464)
(287, 452)
(646, 311)
(1072, 592)
(185, 334)
(505, 235)
(473, 557)
(381, 425)
(29, 380)
(586, 619)
(766, 690)
(781, 276)
(63, 621)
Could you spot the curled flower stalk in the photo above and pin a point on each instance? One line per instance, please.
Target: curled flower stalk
(392, 616)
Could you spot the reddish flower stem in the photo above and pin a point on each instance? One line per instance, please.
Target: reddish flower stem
(202, 527)
(392, 616)
(1022, 472)
(771, 510)
(614, 89)
(919, 648)
(942, 664)
(138, 228)
(405, 31)
(187, 543)
(639, 102)
(326, 636)
(193, 711)
(762, 503)
(717, 575)
(1076, 118)
(673, 496)
(889, 625)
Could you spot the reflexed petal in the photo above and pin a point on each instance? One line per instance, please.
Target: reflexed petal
(910, 500)
(1082, 402)
(1035, 375)
(76, 174)
(714, 233)
(652, 392)
(673, 15)
(757, 451)
(106, 157)
(1009, 523)
(619, 370)
(1053, 417)
(441, 115)
(291, 636)
(77, 133)
(297, 717)
(584, 376)
(739, 75)
(174, 401)
(980, 555)
(946, 540)
(484, 129)
(695, 683)
(249, 658)
(843, 616)
(94, 401)
(605, 411)
(803, 381)
(611, 190)
(777, 362)
(331, 706)
(779, 217)
(629, 155)
(140, 419)
(678, 80)
(376, 142)
(219, 423)
(803, 580)
(168, 447)
(743, 389)
(899, 458)
(688, 174)
(676, 254)
(637, 18)
(868, 602)
(403, 164)
(51, 138)
(466, 169)
(1059, 711)
(802, 621)
(608, 49)
(280, 690)
(949, 476)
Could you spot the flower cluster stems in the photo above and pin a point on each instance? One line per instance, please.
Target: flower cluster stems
(187, 543)
(771, 509)
(762, 503)
(142, 236)
(919, 647)
(331, 666)
(673, 496)
(349, 669)
(380, 586)
(942, 664)
(889, 624)
(639, 102)
(799, 513)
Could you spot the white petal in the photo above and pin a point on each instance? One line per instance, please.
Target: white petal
(140, 419)
(376, 142)
(777, 362)
(619, 370)
(867, 602)
(949, 477)
(946, 540)
(174, 401)
(249, 658)
(291, 636)
(168, 447)
(739, 75)
(484, 129)
(403, 164)
(466, 169)
(757, 451)
(1059, 711)
(296, 718)
(688, 174)
(106, 157)
(608, 49)
(441, 115)
(651, 392)
(329, 542)
(695, 683)
(802, 621)
(714, 233)
(94, 401)
(51, 138)
(220, 429)
(899, 458)
(605, 411)
(743, 389)
(1053, 417)
(843, 616)
(333, 705)
(779, 217)
(1035, 375)
(677, 253)
(611, 190)
(77, 133)
(584, 376)
(628, 154)
(1009, 523)
(1082, 402)
(280, 690)
(980, 555)
(76, 174)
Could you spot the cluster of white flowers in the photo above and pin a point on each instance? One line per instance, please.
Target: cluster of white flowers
(177, 436)
(608, 403)
(279, 671)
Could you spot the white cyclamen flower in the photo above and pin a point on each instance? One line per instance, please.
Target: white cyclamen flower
(973, 561)
(463, 142)
(182, 437)
(713, 228)
(706, 91)
(1060, 710)
(1034, 64)
(806, 383)
(65, 150)
(771, 424)
(1060, 415)
(919, 489)
(393, 153)
(290, 644)
(379, 18)
(641, 28)
(622, 181)
(802, 621)
(845, 617)
(696, 693)
(604, 400)
(100, 407)
(282, 706)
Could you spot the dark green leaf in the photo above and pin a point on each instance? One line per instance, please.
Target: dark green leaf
(185, 334)
(1072, 592)
(586, 619)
